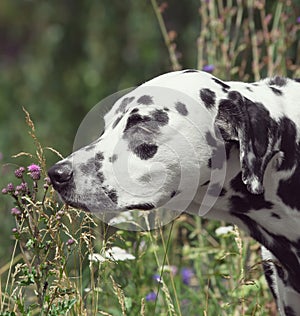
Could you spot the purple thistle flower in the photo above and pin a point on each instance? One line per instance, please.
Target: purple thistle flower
(35, 171)
(186, 275)
(34, 168)
(35, 175)
(151, 297)
(15, 211)
(209, 68)
(19, 172)
(10, 187)
(70, 242)
(4, 191)
(24, 187)
(298, 19)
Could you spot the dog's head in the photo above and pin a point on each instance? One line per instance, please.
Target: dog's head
(160, 145)
(153, 151)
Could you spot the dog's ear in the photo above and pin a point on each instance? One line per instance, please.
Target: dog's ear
(249, 123)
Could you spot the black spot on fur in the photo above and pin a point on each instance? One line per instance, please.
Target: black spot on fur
(88, 167)
(145, 99)
(189, 71)
(211, 141)
(100, 176)
(111, 193)
(208, 97)
(268, 271)
(113, 158)
(166, 109)
(205, 183)
(297, 79)
(260, 124)
(98, 160)
(247, 201)
(275, 215)
(174, 193)
(160, 116)
(209, 163)
(289, 311)
(288, 144)
(277, 81)
(219, 152)
(145, 178)
(249, 88)
(145, 206)
(136, 119)
(281, 273)
(99, 156)
(124, 104)
(116, 121)
(181, 108)
(288, 190)
(145, 151)
(135, 110)
(216, 190)
(276, 91)
(224, 86)
(280, 246)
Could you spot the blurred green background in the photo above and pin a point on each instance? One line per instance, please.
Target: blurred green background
(59, 58)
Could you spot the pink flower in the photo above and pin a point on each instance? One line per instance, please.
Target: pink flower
(35, 171)
(15, 211)
(70, 242)
(19, 172)
(34, 168)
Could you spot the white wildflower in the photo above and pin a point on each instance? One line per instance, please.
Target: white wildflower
(96, 257)
(123, 217)
(223, 230)
(114, 253)
(119, 254)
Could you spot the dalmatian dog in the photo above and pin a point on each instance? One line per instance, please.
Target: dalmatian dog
(226, 150)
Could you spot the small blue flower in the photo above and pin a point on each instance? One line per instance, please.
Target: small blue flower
(208, 68)
(157, 277)
(151, 297)
(186, 275)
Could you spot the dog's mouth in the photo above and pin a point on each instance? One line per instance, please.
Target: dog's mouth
(61, 176)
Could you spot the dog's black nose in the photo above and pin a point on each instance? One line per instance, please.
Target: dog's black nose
(60, 174)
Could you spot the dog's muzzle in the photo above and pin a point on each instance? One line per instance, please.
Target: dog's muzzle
(60, 175)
